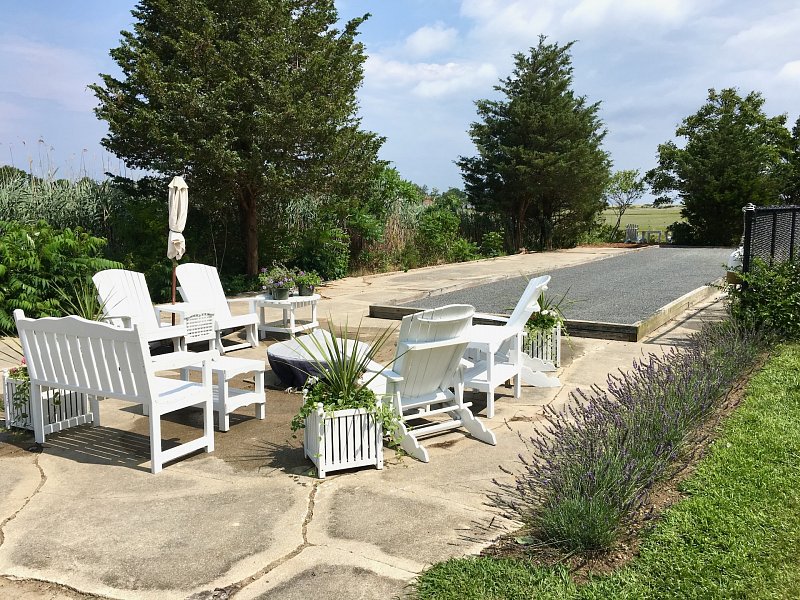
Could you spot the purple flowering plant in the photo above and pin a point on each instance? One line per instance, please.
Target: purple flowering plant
(596, 459)
(278, 277)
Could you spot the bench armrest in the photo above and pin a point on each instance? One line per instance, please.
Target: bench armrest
(179, 360)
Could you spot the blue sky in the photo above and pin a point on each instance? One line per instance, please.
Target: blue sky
(650, 63)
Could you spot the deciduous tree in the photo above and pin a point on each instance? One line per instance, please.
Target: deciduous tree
(624, 189)
(254, 100)
(540, 158)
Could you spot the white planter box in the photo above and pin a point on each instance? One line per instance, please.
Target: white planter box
(544, 345)
(62, 408)
(344, 439)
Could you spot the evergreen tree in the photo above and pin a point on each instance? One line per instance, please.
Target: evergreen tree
(254, 100)
(791, 191)
(734, 155)
(540, 160)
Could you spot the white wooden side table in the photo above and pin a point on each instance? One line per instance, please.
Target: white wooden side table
(226, 398)
(199, 321)
(289, 322)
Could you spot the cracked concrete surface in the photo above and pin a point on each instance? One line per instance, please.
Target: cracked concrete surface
(84, 518)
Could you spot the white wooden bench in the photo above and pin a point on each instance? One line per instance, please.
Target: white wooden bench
(105, 361)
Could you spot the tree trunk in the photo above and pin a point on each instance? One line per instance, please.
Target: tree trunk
(248, 215)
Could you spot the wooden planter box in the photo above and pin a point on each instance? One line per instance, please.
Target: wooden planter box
(544, 345)
(344, 439)
(62, 408)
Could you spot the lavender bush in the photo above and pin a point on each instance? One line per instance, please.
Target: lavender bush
(593, 463)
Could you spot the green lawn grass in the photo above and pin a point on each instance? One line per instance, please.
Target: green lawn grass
(736, 535)
(645, 217)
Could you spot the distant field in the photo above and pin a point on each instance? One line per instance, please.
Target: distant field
(646, 218)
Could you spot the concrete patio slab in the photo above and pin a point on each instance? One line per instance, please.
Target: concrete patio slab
(84, 518)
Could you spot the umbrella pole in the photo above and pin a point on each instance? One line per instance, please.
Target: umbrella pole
(174, 285)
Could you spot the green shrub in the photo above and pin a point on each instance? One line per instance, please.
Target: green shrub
(492, 244)
(770, 296)
(462, 250)
(437, 229)
(39, 265)
(682, 233)
(326, 250)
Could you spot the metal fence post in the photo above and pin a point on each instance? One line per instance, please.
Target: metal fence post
(749, 214)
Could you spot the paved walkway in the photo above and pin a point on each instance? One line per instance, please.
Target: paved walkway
(84, 516)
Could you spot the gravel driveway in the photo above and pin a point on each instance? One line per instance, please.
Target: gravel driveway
(621, 289)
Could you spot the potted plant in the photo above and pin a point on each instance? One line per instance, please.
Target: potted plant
(344, 420)
(306, 282)
(544, 330)
(279, 280)
(58, 406)
(17, 395)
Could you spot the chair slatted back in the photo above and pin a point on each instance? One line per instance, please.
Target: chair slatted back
(125, 293)
(528, 302)
(436, 324)
(200, 284)
(427, 370)
(75, 354)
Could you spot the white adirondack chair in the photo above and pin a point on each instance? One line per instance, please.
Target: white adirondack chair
(125, 299)
(107, 361)
(200, 284)
(428, 362)
(498, 350)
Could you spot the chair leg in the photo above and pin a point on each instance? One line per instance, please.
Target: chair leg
(208, 423)
(222, 401)
(37, 413)
(95, 402)
(251, 331)
(490, 383)
(517, 353)
(156, 463)
(411, 446)
(476, 429)
(261, 407)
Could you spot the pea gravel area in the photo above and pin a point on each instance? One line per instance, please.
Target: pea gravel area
(621, 289)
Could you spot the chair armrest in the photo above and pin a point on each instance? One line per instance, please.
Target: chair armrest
(411, 346)
(391, 376)
(499, 319)
(250, 301)
(127, 322)
(180, 360)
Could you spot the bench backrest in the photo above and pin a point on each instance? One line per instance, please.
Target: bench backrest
(75, 354)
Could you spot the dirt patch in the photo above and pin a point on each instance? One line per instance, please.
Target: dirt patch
(660, 498)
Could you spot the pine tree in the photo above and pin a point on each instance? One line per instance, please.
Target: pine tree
(254, 100)
(540, 160)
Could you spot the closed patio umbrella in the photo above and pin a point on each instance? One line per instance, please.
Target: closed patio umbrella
(178, 207)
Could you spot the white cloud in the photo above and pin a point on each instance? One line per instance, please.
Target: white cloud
(43, 72)
(594, 14)
(430, 39)
(429, 80)
(790, 72)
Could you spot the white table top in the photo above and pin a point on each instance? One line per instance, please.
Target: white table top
(292, 300)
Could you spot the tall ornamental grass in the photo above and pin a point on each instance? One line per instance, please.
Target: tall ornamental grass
(591, 467)
(62, 203)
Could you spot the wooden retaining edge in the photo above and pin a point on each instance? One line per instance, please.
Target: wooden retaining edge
(623, 332)
(676, 307)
